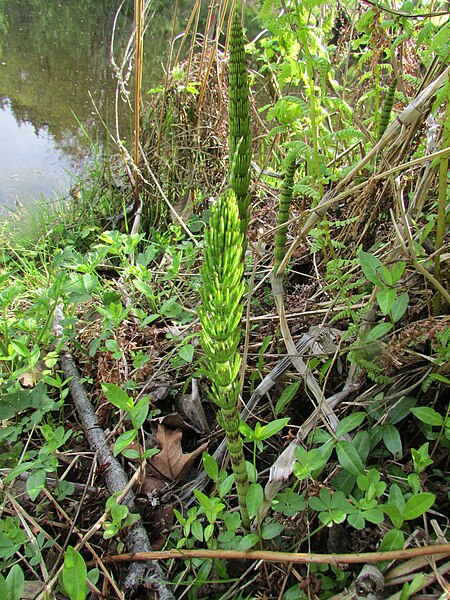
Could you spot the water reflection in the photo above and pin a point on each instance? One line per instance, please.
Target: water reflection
(53, 56)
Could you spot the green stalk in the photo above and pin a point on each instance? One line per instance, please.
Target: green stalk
(239, 122)
(222, 276)
(387, 109)
(442, 199)
(283, 215)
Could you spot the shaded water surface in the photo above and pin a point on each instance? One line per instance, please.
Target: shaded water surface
(54, 67)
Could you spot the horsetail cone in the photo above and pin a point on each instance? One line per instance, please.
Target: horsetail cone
(283, 214)
(222, 275)
(239, 121)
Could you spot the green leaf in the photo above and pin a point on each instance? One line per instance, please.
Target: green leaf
(378, 331)
(349, 423)
(139, 412)
(211, 467)
(393, 540)
(394, 514)
(74, 575)
(428, 415)
(418, 505)
(397, 271)
(361, 443)
(374, 515)
(197, 530)
(349, 458)
(124, 440)
(286, 396)
(255, 498)
(356, 520)
(15, 582)
(392, 440)
(271, 531)
(272, 428)
(399, 306)
(248, 541)
(3, 588)
(118, 397)
(35, 483)
(186, 352)
(386, 298)
(370, 266)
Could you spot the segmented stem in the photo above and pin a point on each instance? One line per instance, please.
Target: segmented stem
(283, 214)
(387, 108)
(222, 275)
(239, 121)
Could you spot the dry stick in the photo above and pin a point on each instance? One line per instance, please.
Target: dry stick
(136, 537)
(439, 550)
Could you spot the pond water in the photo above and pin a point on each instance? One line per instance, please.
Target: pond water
(57, 85)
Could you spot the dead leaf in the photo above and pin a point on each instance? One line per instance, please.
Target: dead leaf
(171, 463)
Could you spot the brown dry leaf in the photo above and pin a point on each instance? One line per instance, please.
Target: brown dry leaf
(171, 464)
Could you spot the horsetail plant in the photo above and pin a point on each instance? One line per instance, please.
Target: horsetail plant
(222, 275)
(386, 109)
(239, 122)
(283, 214)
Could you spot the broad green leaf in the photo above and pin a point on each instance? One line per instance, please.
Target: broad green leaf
(286, 396)
(197, 530)
(428, 415)
(35, 483)
(20, 348)
(397, 271)
(394, 514)
(118, 397)
(255, 498)
(374, 515)
(379, 331)
(90, 282)
(386, 298)
(349, 423)
(186, 352)
(393, 540)
(271, 531)
(399, 306)
(396, 497)
(272, 428)
(356, 520)
(370, 266)
(225, 486)
(140, 412)
(74, 575)
(349, 458)
(248, 541)
(361, 443)
(3, 588)
(211, 467)
(385, 275)
(439, 377)
(418, 505)
(15, 582)
(124, 440)
(400, 410)
(392, 440)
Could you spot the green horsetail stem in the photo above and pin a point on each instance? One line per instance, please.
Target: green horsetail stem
(283, 214)
(239, 121)
(222, 275)
(387, 109)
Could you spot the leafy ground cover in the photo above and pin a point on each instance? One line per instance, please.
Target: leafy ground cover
(112, 459)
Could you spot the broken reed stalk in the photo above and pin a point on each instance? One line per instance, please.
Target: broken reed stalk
(220, 314)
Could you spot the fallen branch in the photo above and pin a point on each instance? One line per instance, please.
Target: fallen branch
(136, 537)
(438, 550)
